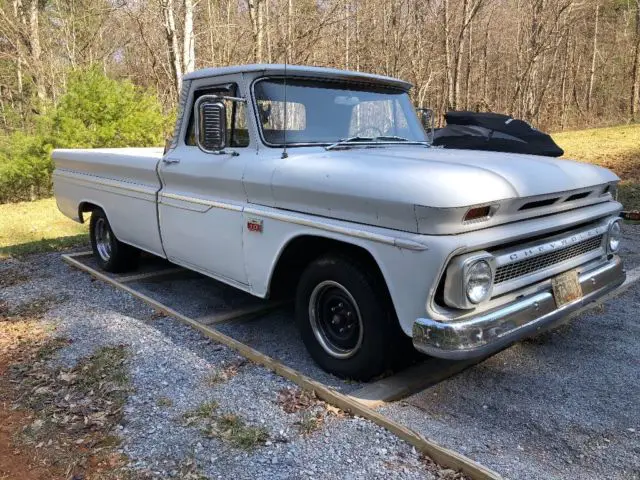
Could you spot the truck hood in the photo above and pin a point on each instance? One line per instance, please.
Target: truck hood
(383, 186)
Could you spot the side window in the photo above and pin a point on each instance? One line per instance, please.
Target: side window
(237, 130)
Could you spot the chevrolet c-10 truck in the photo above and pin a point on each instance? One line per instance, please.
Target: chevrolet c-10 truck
(321, 184)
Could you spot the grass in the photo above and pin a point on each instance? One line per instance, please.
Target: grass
(36, 227)
(310, 422)
(616, 148)
(228, 427)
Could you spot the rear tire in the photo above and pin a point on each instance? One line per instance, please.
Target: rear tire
(111, 254)
(346, 319)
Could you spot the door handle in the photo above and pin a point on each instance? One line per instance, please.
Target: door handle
(171, 160)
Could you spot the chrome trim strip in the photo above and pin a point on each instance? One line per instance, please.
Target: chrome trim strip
(348, 231)
(86, 180)
(200, 201)
(291, 218)
(492, 331)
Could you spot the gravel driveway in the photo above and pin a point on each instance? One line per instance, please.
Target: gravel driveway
(175, 371)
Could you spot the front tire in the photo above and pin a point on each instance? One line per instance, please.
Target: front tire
(111, 254)
(346, 319)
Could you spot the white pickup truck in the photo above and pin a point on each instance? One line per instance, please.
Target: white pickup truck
(321, 183)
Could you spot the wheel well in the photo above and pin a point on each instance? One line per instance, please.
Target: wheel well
(86, 207)
(303, 250)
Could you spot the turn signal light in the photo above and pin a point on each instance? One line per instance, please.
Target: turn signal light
(477, 213)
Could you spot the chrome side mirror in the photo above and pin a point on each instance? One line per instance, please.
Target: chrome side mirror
(211, 124)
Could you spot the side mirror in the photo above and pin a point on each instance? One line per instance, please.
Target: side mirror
(427, 118)
(211, 124)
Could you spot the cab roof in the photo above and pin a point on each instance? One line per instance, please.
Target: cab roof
(299, 71)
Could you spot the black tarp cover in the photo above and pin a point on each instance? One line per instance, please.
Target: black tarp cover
(495, 132)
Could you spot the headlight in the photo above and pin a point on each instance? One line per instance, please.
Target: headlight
(478, 281)
(614, 236)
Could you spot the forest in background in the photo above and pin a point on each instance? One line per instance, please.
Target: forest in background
(560, 64)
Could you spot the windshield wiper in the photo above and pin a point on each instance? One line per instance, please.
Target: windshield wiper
(347, 141)
(392, 138)
(380, 139)
(395, 138)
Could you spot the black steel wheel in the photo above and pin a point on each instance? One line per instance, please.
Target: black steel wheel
(346, 319)
(335, 319)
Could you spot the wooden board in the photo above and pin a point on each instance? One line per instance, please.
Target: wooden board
(148, 275)
(410, 380)
(240, 312)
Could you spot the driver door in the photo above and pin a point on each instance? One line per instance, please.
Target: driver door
(201, 202)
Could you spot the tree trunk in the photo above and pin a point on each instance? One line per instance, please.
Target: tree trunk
(256, 9)
(594, 53)
(635, 81)
(346, 35)
(175, 61)
(467, 100)
(450, 104)
(35, 49)
(188, 39)
(289, 31)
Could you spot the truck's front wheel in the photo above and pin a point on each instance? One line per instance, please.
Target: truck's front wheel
(111, 254)
(345, 318)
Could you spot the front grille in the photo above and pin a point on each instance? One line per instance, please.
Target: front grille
(546, 260)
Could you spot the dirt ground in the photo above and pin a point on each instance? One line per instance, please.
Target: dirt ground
(52, 450)
(16, 462)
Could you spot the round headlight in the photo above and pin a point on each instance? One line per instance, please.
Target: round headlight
(479, 281)
(615, 236)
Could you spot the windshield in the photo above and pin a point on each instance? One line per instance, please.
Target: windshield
(323, 112)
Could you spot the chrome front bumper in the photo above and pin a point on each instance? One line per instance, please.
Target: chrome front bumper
(492, 331)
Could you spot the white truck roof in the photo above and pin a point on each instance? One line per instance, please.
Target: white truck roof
(299, 70)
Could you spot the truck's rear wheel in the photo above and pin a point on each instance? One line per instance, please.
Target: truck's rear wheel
(345, 318)
(111, 254)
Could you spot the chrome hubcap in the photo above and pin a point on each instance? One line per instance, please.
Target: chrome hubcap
(103, 239)
(335, 319)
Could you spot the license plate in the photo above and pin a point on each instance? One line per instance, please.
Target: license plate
(566, 288)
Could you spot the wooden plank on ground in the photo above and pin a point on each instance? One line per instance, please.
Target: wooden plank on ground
(240, 312)
(410, 380)
(148, 275)
(441, 455)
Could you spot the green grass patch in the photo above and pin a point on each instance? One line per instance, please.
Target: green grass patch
(615, 148)
(228, 427)
(37, 227)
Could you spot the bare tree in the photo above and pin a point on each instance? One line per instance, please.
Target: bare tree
(592, 73)
(635, 77)
(175, 61)
(188, 38)
(256, 14)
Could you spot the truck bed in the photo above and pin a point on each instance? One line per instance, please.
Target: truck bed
(125, 179)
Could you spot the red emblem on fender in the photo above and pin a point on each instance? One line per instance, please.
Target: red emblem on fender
(254, 225)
